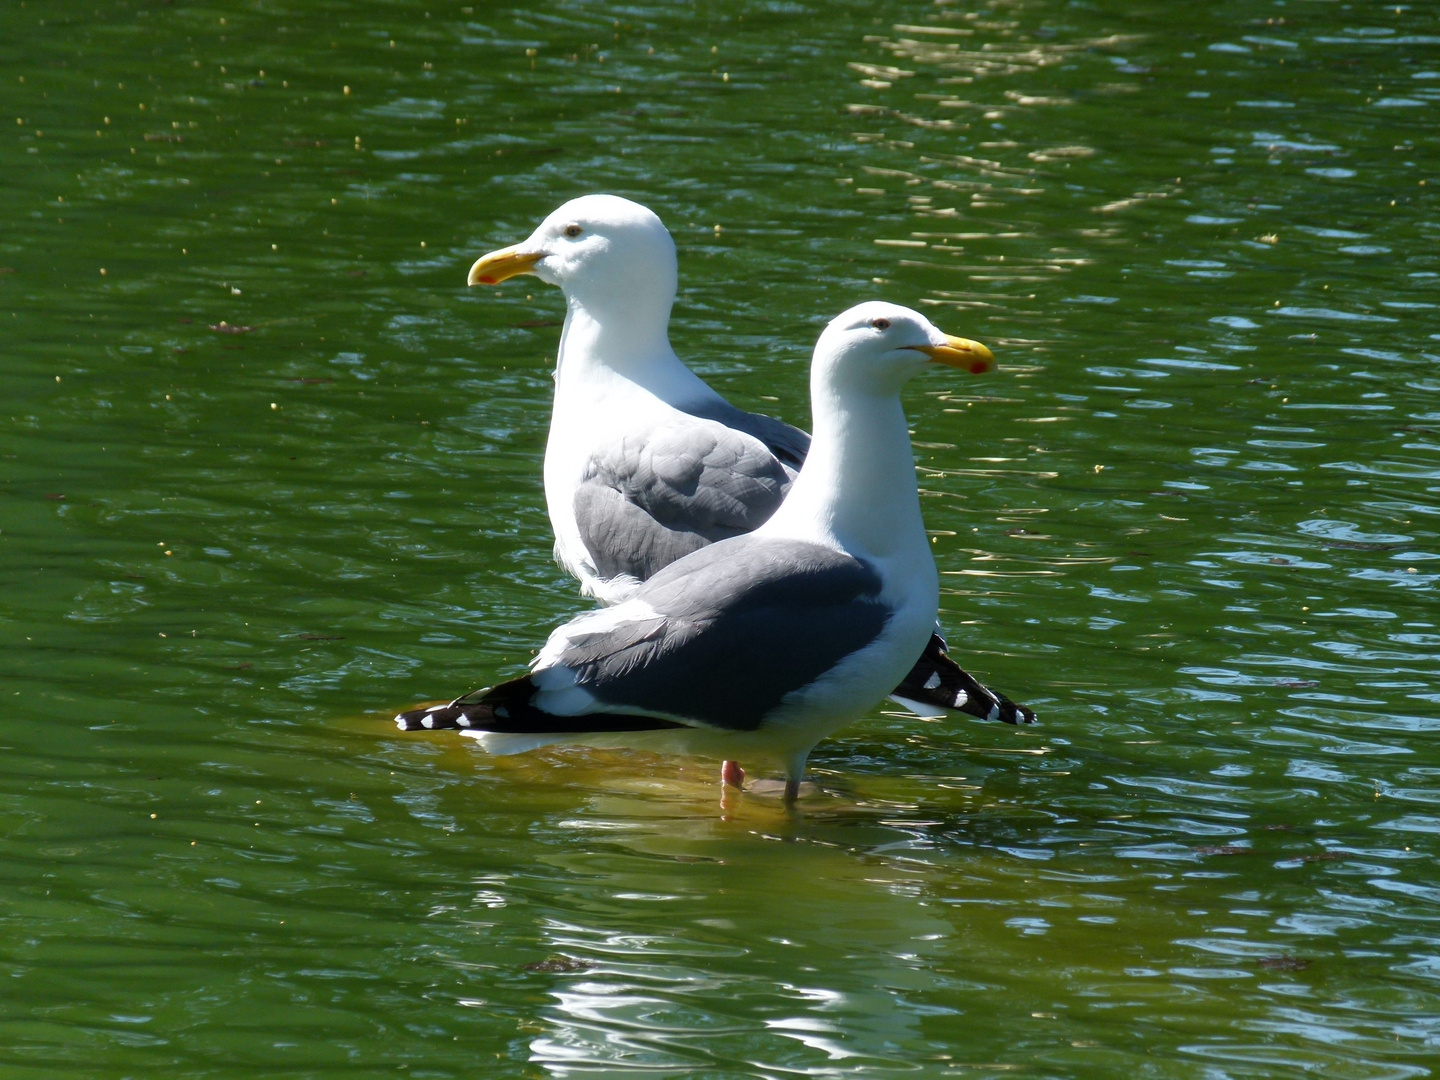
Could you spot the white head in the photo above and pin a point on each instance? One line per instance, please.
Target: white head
(602, 251)
(875, 347)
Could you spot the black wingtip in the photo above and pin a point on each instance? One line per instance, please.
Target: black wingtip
(434, 718)
(506, 709)
(1010, 713)
(937, 680)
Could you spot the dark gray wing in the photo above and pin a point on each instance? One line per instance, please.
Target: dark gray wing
(665, 492)
(737, 627)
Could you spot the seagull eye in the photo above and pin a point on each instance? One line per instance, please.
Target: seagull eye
(573, 231)
(880, 324)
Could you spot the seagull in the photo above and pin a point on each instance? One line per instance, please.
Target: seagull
(646, 463)
(757, 646)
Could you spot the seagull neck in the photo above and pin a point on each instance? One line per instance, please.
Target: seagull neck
(857, 486)
(630, 346)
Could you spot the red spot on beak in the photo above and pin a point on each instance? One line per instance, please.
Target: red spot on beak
(488, 281)
(979, 367)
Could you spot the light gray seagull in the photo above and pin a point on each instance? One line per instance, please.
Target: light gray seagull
(645, 463)
(757, 646)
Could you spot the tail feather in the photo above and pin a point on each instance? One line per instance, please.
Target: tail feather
(937, 680)
(507, 709)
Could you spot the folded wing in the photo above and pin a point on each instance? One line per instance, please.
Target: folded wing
(719, 640)
(665, 492)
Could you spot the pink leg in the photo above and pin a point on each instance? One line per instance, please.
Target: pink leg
(731, 773)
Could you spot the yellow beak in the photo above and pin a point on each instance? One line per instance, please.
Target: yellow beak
(506, 263)
(959, 352)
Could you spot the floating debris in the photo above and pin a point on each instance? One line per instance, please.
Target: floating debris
(1283, 963)
(559, 963)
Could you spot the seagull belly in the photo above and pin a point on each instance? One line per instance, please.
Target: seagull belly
(856, 684)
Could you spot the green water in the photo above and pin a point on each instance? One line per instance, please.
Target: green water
(1193, 519)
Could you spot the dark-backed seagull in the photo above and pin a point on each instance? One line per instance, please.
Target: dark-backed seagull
(758, 646)
(645, 463)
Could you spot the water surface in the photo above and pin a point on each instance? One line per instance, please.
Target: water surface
(269, 472)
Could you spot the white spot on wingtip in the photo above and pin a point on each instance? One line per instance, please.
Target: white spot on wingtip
(463, 720)
(933, 681)
(428, 722)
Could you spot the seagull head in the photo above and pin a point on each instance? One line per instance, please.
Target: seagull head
(876, 347)
(600, 250)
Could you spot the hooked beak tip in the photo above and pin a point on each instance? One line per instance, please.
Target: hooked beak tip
(961, 353)
(502, 265)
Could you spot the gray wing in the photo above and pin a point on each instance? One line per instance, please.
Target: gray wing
(664, 493)
(788, 444)
(737, 627)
